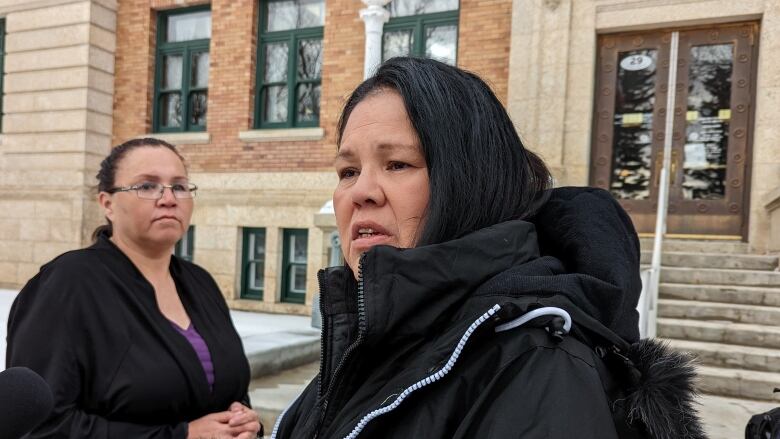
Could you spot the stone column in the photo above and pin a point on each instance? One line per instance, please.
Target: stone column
(59, 80)
(375, 16)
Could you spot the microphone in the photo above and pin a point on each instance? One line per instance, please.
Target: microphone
(25, 402)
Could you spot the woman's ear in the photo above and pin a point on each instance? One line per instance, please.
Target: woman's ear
(107, 203)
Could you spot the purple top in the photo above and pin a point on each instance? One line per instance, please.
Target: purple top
(201, 349)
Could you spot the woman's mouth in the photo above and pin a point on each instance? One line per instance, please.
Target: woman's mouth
(367, 237)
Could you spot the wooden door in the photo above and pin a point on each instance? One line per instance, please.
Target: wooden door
(709, 181)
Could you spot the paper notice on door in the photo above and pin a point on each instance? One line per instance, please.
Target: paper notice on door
(724, 114)
(695, 156)
(690, 116)
(632, 119)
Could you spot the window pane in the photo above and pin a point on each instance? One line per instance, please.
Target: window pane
(298, 279)
(309, 59)
(275, 104)
(308, 102)
(708, 118)
(397, 43)
(200, 70)
(295, 14)
(256, 256)
(198, 108)
(440, 43)
(403, 8)
(186, 27)
(170, 109)
(298, 244)
(276, 62)
(633, 124)
(172, 65)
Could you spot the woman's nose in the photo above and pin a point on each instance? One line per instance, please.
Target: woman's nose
(368, 189)
(167, 198)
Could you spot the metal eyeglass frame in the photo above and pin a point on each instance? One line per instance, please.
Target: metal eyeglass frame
(136, 187)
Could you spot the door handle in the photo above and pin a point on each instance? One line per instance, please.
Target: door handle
(659, 162)
(674, 168)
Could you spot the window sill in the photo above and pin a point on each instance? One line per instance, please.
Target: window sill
(282, 135)
(192, 138)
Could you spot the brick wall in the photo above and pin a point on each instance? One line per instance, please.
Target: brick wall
(483, 47)
(484, 39)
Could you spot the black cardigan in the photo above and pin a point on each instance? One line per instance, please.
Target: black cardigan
(88, 322)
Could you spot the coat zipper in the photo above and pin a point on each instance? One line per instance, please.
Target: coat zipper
(441, 373)
(321, 281)
(361, 302)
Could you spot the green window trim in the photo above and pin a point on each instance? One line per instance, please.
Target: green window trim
(292, 38)
(2, 66)
(186, 49)
(185, 247)
(288, 294)
(248, 260)
(417, 24)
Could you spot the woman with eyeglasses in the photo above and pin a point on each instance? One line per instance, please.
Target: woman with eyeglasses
(134, 342)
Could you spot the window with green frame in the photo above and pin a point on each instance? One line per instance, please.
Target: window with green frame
(2, 65)
(186, 245)
(253, 264)
(423, 28)
(182, 70)
(294, 257)
(289, 67)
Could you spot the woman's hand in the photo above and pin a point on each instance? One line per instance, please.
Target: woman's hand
(239, 422)
(211, 426)
(244, 422)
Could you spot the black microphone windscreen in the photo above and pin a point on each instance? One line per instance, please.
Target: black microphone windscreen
(25, 402)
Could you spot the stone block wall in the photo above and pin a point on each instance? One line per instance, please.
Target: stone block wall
(57, 122)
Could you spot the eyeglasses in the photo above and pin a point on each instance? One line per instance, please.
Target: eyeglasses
(154, 191)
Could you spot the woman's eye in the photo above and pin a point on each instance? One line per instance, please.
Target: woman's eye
(347, 173)
(395, 166)
(178, 187)
(146, 186)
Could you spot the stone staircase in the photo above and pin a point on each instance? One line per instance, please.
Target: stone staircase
(722, 304)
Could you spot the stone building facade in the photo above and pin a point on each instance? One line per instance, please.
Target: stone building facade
(83, 75)
(565, 94)
(58, 87)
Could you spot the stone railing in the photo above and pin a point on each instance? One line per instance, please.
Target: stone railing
(772, 204)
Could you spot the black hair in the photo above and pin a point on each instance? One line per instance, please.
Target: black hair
(106, 176)
(480, 172)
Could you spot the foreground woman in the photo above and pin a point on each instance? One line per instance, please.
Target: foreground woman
(475, 302)
(134, 342)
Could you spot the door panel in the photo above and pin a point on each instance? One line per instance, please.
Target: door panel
(708, 184)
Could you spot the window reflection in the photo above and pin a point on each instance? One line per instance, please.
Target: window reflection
(633, 124)
(295, 14)
(403, 8)
(708, 117)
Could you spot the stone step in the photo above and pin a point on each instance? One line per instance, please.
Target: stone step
(744, 334)
(271, 394)
(714, 260)
(731, 356)
(717, 276)
(766, 296)
(688, 309)
(696, 246)
(738, 383)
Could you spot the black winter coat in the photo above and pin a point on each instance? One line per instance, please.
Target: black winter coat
(415, 347)
(89, 324)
